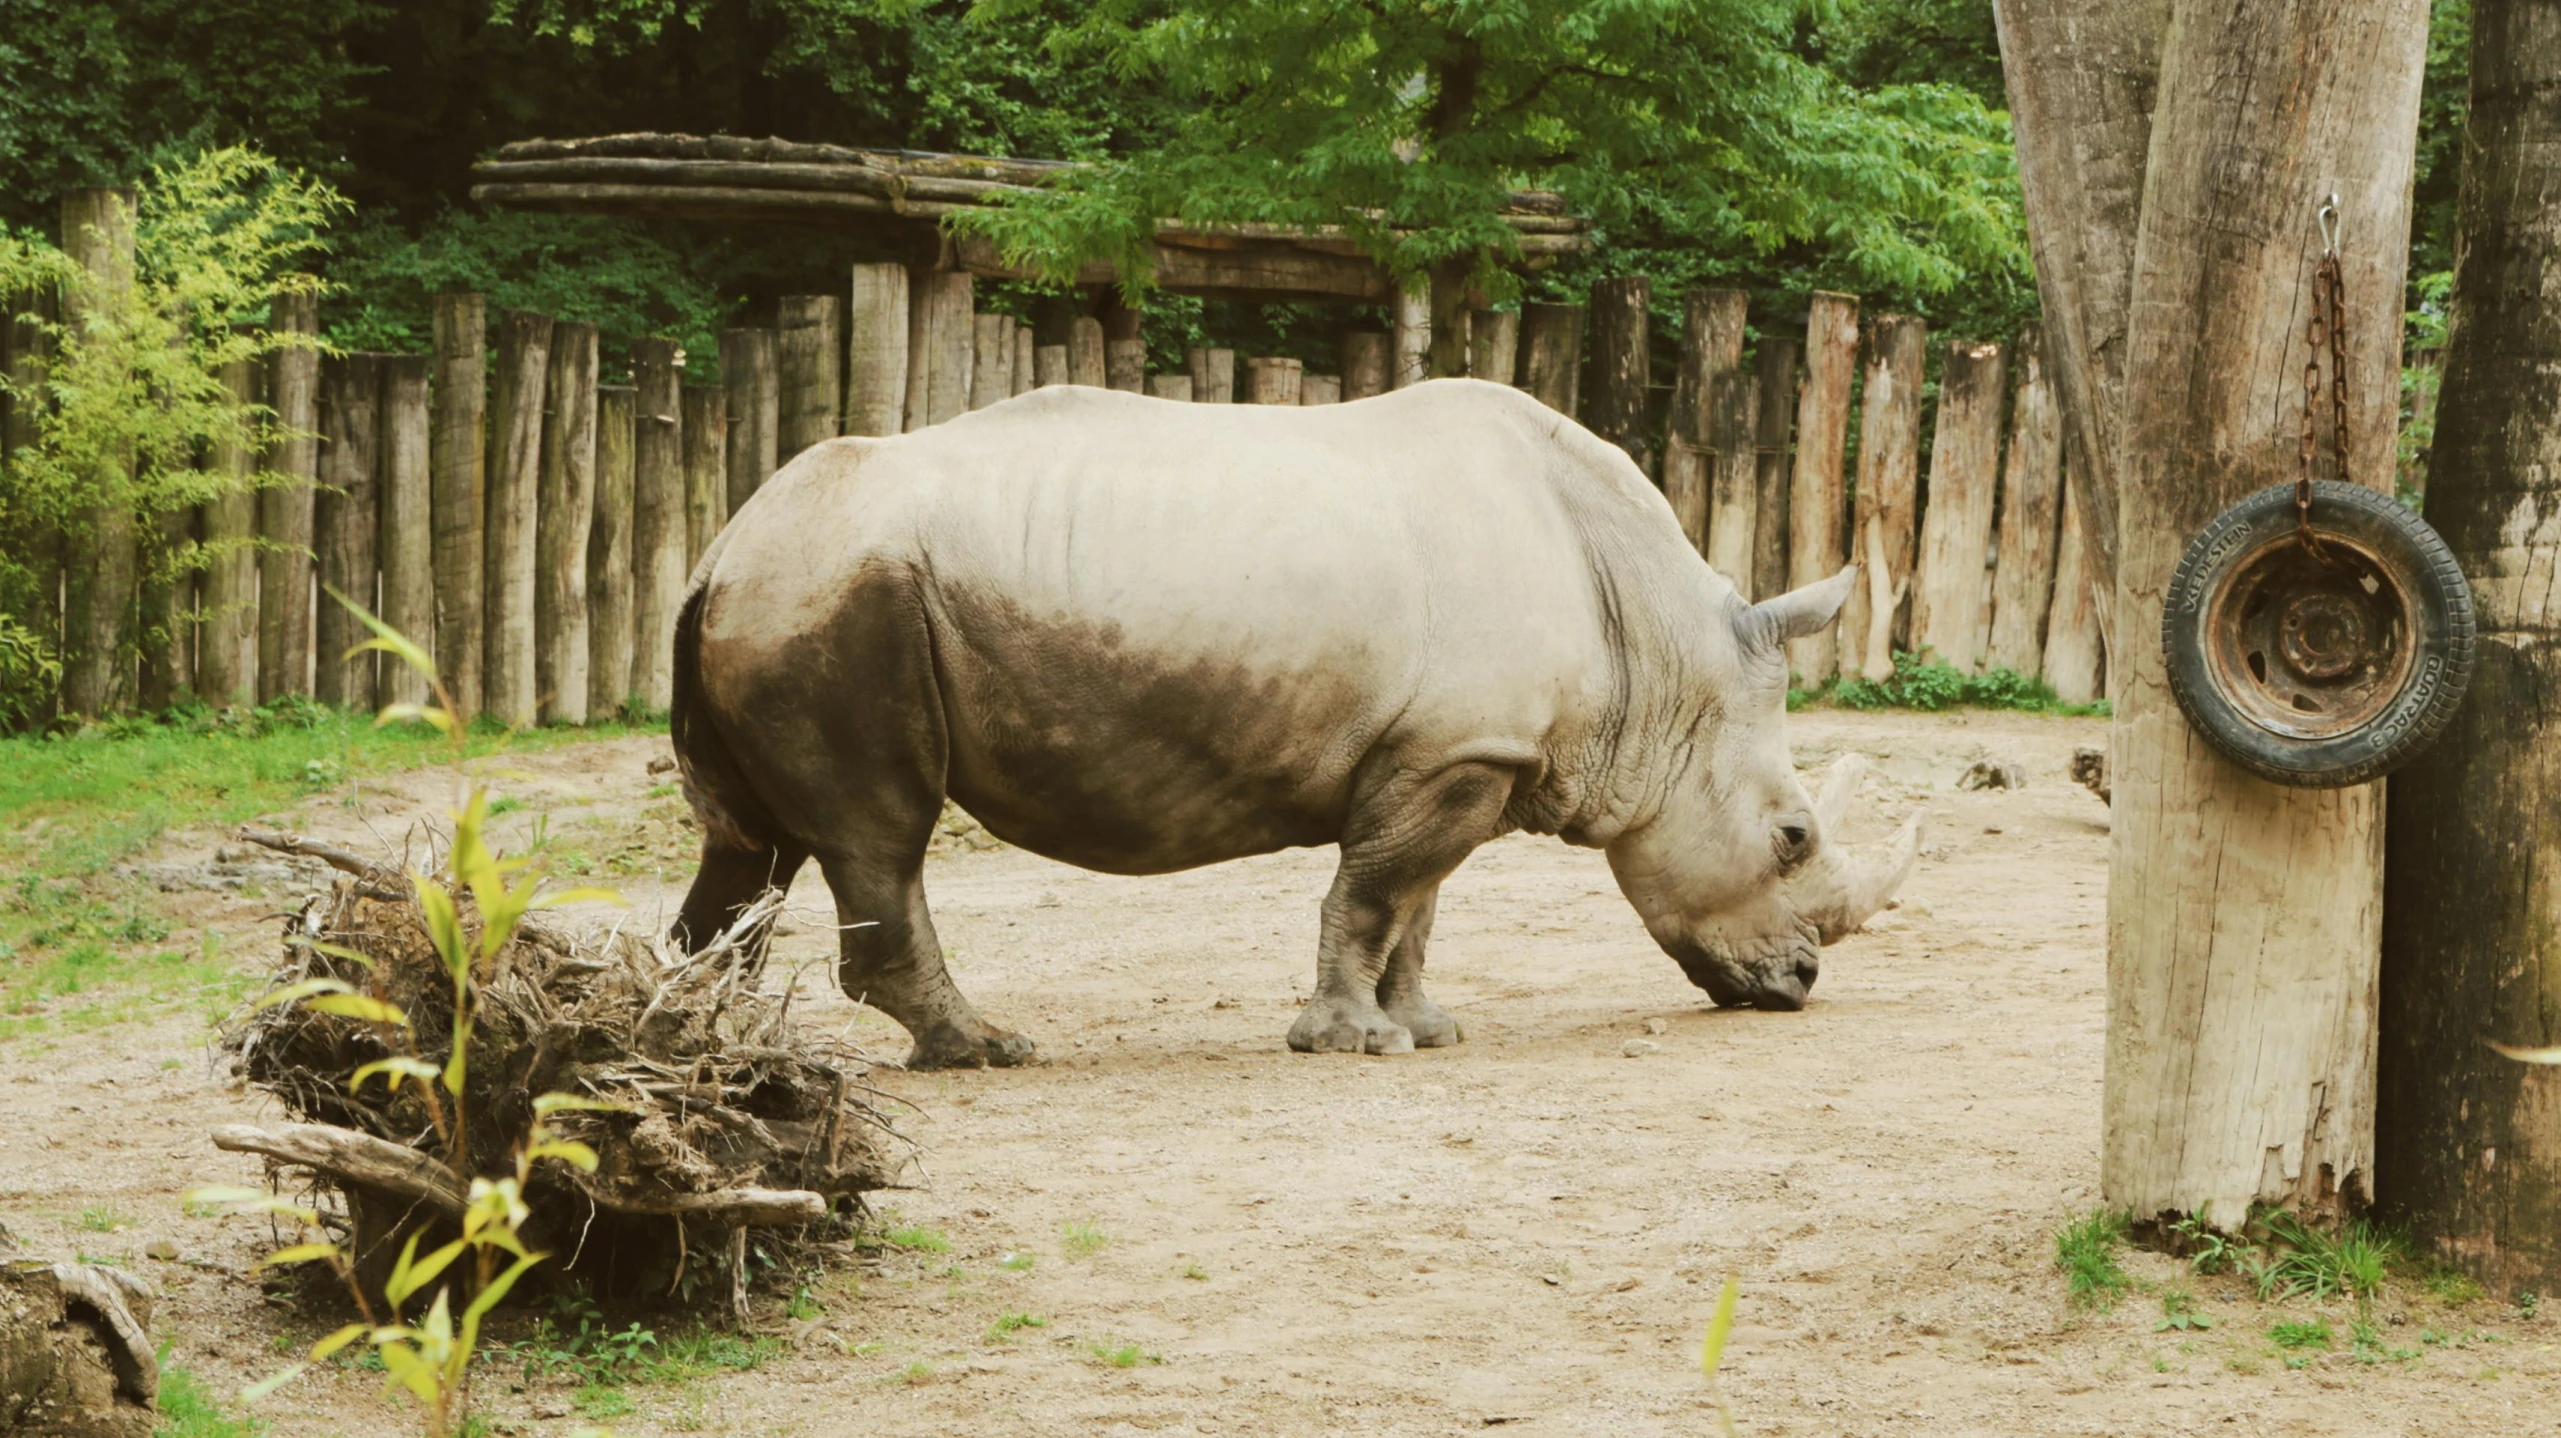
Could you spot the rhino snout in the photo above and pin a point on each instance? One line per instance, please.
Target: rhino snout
(1776, 981)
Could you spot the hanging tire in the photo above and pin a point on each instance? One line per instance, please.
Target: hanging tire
(2323, 670)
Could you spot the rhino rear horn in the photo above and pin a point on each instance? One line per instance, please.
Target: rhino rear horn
(1800, 612)
(1840, 783)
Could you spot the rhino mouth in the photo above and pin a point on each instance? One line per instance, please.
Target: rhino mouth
(1777, 982)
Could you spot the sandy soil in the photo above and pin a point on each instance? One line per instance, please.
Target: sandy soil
(1527, 1230)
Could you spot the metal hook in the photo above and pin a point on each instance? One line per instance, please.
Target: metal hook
(2330, 224)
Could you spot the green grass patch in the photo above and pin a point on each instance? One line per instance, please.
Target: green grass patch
(2085, 1250)
(75, 806)
(1918, 683)
(188, 1409)
(1009, 1324)
(1083, 1238)
(916, 1238)
(1123, 1355)
(2301, 1333)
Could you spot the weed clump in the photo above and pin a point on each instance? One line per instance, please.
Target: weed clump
(1925, 684)
(2085, 1250)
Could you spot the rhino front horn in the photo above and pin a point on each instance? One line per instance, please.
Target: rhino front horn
(1856, 883)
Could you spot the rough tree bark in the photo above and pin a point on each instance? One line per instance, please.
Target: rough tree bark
(97, 234)
(457, 451)
(1552, 367)
(609, 577)
(227, 650)
(809, 357)
(939, 346)
(1493, 345)
(1366, 362)
(2472, 893)
(1951, 594)
(348, 524)
(1411, 352)
(285, 509)
(706, 424)
(2075, 654)
(991, 372)
(1814, 491)
(1878, 614)
(1213, 375)
(657, 522)
(564, 510)
(875, 355)
(405, 541)
(2243, 917)
(1086, 364)
(748, 371)
(1774, 388)
(1621, 375)
(2031, 497)
(1711, 350)
(515, 479)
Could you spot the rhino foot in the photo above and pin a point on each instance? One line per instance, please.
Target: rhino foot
(1348, 1026)
(948, 1047)
(1431, 1025)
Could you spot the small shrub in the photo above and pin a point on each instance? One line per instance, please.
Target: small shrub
(2179, 1311)
(1931, 686)
(2301, 1333)
(2085, 1250)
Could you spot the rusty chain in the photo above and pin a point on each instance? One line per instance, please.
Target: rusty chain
(2325, 331)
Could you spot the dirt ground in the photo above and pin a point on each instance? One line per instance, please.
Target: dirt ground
(1527, 1230)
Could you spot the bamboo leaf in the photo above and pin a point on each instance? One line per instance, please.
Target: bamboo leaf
(271, 1383)
(567, 1150)
(428, 714)
(489, 1298)
(552, 1103)
(388, 640)
(408, 1371)
(410, 1276)
(583, 894)
(397, 1069)
(357, 1006)
(1719, 1326)
(2529, 1055)
(303, 990)
(335, 1341)
(298, 1253)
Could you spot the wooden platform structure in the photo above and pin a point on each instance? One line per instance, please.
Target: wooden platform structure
(903, 196)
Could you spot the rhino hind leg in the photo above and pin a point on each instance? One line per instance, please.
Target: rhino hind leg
(1406, 834)
(1400, 989)
(890, 958)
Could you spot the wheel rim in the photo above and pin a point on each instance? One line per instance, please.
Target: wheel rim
(2306, 646)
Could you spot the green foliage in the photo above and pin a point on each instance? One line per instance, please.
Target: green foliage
(2085, 1250)
(1123, 1355)
(2179, 1312)
(1406, 124)
(30, 673)
(1009, 1324)
(1927, 685)
(916, 1238)
(2301, 1333)
(189, 1410)
(1082, 1238)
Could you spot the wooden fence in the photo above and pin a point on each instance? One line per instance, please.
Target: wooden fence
(536, 529)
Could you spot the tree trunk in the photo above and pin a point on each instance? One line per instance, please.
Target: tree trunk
(1213, 375)
(2243, 917)
(348, 522)
(1951, 589)
(876, 357)
(809, 349)
(1621, 373)
(1733, 493)
(405, 539)
(657, 522)
(1452, 341)
(1085, 362)
(2081, 76)
(1493, 345)
(1320, 389)
(1026, 360)
(2075, 652)
(1367, 361)
(101, 563)
(706, 426)
(1125, 365)
(515, 478)
(991, 374)
(167, 599)
(2472, 893)
(1410, 357)
(285, 509)
(1049, 365)
(1772, 425)
(1814, 498)
(1877, 617)
(1711, 349)
(458, 453)
(2031, 501)
(748, 371)
(564, 511)
(227, 653)
(609, 561)
(940, 346)
(1272, 381)
(1170, 386)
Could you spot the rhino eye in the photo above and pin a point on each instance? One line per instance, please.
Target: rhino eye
(1791, 841)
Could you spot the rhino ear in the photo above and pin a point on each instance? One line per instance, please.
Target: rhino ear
(1797, 613)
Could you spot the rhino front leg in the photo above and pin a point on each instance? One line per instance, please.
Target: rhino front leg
(1405, 836)
(1400, 989)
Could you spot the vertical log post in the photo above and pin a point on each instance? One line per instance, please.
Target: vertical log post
(1124, 346)
(1170, 386)
(2075, 659)
(1493, 345)
(1049, 365)
(227, 651)
(1026, 360)
(1814, 519)
(749, 371)
(1553, 368)
(1320, 389)
(349, 524)
(657, 522)
(2463, 1134)
(1734, 488)
(1773, 423)
(1086, 363)
(1410, 359)
(1621, 372)
(875, 356)
(1272, 381)
(2031, 514)
(706, 426)
(2244, 917)
(1367, 361)
(285, 509)
(610, 627)
(1949, 596)
(950, 347)
(808, 354)
(515, 479)
(1711, 348)
(1877, 618)
(564, 511)
(101, 563)
(1213, 375)
(458, 450)
(405, 539)
(991, 374)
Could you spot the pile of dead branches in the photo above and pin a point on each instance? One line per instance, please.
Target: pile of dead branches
(727, 1115)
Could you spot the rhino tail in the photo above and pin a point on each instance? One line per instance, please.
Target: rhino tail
(732, 814)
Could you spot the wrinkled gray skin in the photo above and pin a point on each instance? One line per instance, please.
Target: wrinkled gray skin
(1139, 636)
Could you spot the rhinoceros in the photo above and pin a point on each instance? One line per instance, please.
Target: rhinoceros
(1140, 636)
